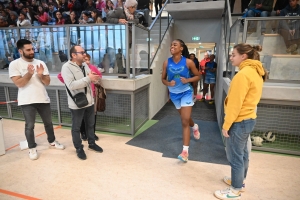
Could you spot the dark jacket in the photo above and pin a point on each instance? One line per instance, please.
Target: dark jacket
(281, 4)
(288, 11)
(143, 4)
(267, 5)
(68, 21)
(114, 16)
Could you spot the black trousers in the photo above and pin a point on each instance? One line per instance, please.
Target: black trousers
(82, 127)
(158, 3)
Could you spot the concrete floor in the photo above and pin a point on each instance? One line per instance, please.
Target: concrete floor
(128, 172)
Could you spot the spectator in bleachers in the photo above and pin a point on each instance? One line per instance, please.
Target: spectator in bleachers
(62, 6)
(86, 19)
(34, 5)
(7, 9)
(53, 2)
(123, 15)
(23, 20)
(3, 22)
(13, 19)
(27, 3)
(72, 19)
(59, 18)
(12, 6)
(259, 8)
(75, 5)
(100, 5)
(29, 13)
(52, 14)
(96, 16)
(120, 4)
(89, 5)
(289, 29)
(109, 6)
(41, 16)
(45, 6)
(19, 7)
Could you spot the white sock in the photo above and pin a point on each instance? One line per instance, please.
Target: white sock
(186, 148)
(195, 127)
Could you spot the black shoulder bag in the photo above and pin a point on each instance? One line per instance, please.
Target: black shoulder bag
(80, 98)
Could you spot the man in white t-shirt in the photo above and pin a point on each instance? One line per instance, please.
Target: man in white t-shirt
(31, 76)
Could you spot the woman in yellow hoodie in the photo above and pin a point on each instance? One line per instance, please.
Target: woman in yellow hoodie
(240, 115)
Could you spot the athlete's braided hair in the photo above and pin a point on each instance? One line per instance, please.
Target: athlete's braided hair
(185, 51)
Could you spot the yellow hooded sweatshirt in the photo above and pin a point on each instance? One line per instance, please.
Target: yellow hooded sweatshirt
(244, 93)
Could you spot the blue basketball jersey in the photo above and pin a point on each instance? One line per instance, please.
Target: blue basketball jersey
(174, 72)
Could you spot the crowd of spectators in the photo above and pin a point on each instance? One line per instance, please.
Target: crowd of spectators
(56, 12)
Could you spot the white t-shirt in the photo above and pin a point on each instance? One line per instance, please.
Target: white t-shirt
(34, 91)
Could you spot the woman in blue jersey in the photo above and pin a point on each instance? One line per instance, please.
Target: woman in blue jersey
(176, 75)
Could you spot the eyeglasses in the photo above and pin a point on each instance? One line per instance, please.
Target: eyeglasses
(82, 52)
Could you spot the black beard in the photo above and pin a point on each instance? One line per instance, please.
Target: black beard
(28, 56)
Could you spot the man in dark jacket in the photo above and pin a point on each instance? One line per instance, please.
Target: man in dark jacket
(289, 29)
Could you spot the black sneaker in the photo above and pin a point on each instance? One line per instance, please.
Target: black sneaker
(80, 154)
(96, 137)
(83, 137)
(96, 148)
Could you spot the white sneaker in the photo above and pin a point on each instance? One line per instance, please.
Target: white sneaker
(33, 154)
(227, 180)
(196, 132)
(228, 193)
(56, 145)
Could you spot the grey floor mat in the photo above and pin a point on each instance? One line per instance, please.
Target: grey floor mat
(166, 137)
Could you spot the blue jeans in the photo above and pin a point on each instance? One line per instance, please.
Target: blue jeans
(237, 151)
(262, 14)
(29, 112)
(88, 114)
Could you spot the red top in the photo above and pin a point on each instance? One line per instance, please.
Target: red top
(202, 65)
(61, 22)
(43, 18)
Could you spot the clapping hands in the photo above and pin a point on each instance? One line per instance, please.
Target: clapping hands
(30, 69)
(94, 77)
(40, 69)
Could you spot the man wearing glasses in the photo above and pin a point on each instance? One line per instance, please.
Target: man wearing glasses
(78, 77)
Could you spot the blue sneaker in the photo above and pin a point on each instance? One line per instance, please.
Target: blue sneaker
(184, 156)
